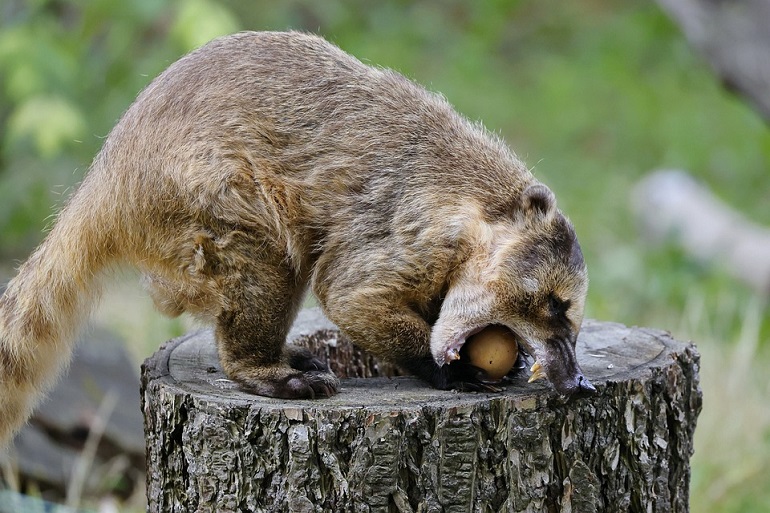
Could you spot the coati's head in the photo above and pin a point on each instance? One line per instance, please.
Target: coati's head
(528, 274)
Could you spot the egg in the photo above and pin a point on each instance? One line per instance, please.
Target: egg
(493, 349)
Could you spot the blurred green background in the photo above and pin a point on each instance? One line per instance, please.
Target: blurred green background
(592, 94)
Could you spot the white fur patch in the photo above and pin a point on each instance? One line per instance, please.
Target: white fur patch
(464, 309)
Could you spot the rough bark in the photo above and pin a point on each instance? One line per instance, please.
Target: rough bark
(394, 444)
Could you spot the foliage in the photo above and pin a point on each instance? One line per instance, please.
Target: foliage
(69, 70)
(592, 94)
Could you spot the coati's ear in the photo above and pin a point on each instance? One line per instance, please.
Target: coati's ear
(538, 202)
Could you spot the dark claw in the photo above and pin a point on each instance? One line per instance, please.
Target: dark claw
(322, 384)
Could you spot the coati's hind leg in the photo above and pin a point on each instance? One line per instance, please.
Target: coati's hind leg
(262, 295)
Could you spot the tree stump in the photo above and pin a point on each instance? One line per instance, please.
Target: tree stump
(394, 444)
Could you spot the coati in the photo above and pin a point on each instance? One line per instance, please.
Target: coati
(264, 163)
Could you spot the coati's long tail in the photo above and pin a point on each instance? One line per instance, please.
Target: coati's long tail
(45, 304)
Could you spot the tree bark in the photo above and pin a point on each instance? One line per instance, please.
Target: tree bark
(393, 444)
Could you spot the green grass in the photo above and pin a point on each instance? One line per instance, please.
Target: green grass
(593, 95)
(732, 441)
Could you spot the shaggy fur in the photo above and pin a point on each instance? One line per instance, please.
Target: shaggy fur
(266, 162)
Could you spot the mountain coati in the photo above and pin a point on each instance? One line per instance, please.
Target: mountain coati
(264, 163)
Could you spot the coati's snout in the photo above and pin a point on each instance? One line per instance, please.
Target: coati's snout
(555, 360)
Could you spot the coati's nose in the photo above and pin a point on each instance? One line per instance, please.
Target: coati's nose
(584, 388)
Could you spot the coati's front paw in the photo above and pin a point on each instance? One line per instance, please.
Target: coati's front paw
(286, 383)
(458, 375)
(469, 378)
(308, 385)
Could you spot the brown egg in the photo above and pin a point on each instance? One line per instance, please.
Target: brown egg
(493, 349)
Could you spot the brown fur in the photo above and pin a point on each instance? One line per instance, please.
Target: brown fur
(264, 162)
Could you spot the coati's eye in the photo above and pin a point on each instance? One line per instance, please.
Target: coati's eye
(557, 306)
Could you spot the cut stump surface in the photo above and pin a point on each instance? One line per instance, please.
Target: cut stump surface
(395, 444)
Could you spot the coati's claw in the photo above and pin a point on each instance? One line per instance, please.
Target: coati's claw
(452, 354)
(308, 385)
(323, 384)
(295, 385)
(537, 372)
